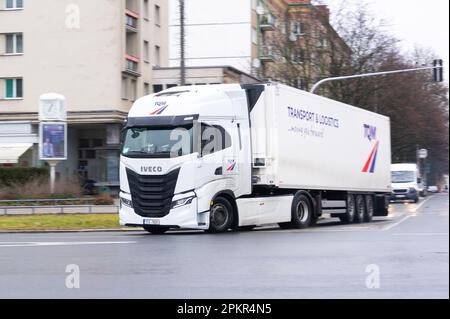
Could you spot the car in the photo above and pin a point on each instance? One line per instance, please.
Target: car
(433, 189)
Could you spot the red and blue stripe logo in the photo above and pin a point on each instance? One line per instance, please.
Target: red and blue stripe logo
(231, 167)
(159, 110)
(369, 167)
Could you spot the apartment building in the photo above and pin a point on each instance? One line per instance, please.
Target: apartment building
(99, 54)
(307, 49)
(281, 40)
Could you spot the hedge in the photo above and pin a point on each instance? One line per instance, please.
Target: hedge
(21, 175)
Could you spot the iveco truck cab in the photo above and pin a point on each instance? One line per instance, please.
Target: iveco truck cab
(222, 157)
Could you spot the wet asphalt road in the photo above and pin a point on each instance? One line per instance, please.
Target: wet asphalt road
(404, 255)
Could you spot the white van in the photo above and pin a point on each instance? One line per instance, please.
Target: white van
(406, 182)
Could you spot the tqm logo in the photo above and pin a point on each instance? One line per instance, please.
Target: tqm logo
(161, 106)
(370, 132)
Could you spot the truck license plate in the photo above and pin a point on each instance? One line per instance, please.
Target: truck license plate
(151, 221)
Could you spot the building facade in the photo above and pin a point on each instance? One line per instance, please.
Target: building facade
(99, 54)
(289, 41)
(217, 33)
(165, 78)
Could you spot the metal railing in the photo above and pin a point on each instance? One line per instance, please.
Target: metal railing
(61, 208)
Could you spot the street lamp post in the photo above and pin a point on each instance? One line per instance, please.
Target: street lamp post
(347, 77)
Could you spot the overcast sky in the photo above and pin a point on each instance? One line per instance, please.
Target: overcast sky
(422, 23)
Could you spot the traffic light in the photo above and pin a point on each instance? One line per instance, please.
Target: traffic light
(438, 71)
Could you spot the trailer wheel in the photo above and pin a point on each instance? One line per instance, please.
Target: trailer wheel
(220, 216)
(368, 216)
(360, 209)
(349, 216)
(156, 230)
(301, 212)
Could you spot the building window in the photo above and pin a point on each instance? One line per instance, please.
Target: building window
(146, 10)
(254, 36)
(301, 84)
(157, 88)
(125, 88)
(298, 56)
(133, 90)
(146, 89)
(322, 43)
(13, 88)
(146, 51)
(157, 55)
(14, 4)
(14, 43)
(298, 28)
(157, 15)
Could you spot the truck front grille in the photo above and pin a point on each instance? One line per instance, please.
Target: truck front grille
(152, 194)
(400, 191)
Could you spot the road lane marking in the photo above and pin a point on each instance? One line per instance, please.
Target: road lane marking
(41, 244)
(396, 224)
(420, 205)
(420, 234)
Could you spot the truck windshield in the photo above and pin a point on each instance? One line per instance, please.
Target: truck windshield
(157, 142)
(402, 176)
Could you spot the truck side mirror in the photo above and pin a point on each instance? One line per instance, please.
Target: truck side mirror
(419, 180)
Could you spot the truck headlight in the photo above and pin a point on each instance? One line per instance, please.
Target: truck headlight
(182, 202)
(412, 190)
(126, 202)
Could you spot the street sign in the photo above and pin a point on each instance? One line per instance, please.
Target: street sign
(423, 153)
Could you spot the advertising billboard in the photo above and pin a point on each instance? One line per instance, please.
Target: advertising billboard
(53, 141)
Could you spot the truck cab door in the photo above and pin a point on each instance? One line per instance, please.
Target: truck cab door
(218, 153)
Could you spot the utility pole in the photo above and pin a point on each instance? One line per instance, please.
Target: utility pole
(182, 44)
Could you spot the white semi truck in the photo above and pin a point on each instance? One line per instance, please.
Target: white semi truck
(221, 157)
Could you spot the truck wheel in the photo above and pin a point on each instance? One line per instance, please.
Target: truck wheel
(360, 209)
(220, 216)
(369, 209)
(349, 216)
(156, 230)
(301, 212)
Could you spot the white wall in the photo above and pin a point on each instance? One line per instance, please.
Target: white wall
(217, 33)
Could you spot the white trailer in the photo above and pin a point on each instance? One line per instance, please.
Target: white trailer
(225, 157)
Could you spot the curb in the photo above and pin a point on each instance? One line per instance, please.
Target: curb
(70, 231)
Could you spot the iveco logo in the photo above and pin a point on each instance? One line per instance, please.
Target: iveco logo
(151, 169)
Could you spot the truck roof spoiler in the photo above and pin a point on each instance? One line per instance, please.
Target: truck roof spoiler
(253, 92)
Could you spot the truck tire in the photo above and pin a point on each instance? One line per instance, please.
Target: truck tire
(360, 211)
(220, 216)
(368, 216)
(302, 212)
(156, 230)
(349, 216)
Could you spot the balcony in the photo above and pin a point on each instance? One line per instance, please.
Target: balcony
(267, 53)
(268, 22)
(132, 65)
(131, 21)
